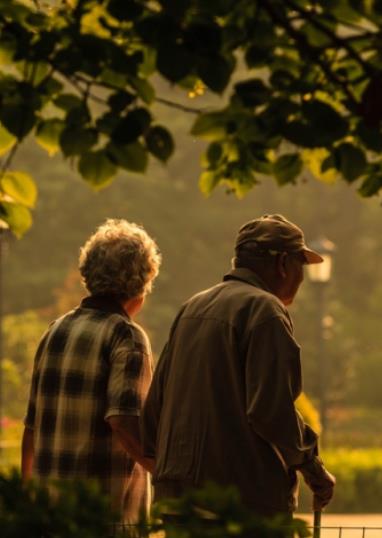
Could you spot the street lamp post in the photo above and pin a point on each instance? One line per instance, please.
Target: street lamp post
(320, 274)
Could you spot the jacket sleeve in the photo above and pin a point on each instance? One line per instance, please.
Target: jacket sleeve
(152, 409)
(273, 382)
(151, 413)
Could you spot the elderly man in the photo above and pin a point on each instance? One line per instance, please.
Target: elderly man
(92, 372)
(221, 405)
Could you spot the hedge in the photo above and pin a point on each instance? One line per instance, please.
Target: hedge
(359, 481)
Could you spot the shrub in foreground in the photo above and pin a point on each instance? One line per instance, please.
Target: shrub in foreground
(64, 510)
(78, 510)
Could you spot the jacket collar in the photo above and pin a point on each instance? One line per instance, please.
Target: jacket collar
(247, 275)
(106, 303)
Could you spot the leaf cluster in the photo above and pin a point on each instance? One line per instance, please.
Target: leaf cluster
(217, 512)
(62, 509)
(77, 509)
(78, 77)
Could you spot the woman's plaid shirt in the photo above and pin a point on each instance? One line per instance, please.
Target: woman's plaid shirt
(91, 364)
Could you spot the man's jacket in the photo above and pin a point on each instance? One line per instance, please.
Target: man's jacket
(221, 405)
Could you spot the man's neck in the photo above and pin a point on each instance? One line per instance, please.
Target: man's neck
(132, 306)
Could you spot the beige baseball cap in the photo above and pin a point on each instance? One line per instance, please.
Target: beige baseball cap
(271, 234)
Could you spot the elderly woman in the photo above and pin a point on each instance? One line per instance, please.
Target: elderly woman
(91, 374)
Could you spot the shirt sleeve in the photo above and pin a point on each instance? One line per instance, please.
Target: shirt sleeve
(273, 382)
(130, 373)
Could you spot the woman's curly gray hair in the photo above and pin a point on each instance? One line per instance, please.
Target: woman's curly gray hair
(119, 259)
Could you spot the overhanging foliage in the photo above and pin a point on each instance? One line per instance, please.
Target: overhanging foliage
(78, 76)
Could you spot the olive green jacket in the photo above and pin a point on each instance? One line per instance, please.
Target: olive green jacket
(221, 404)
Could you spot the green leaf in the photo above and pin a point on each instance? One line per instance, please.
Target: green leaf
(143, 88)
(6, 140)
(77, 140)
(207, 182)
(214, 153)
(16, 216)
(41, 69)
(300, 134)
(19, 120)
(350, 161)
(282, 79)
(160, 142)
(124, 10)
(371, 185)
(215, 71)
(78, 116)
(315, 36)
(48, 134)
(204, 38)
(67, 101)
(174, 62)
(155, 28)
(44, 46)
(328, 163)
(7, 49)
(132, 126)
(148, 65)
(287, 168)
(256, 56)
(96, 168)
(122, 63)
(210, 126)
(327, 123)
(50, 87)
(15, 11)
(116, 80)
(370, 136)
(252, 92)
(120, 100)
(345, 13)
(260, 162)
(108, 122)
(20, 187)
(132, 157)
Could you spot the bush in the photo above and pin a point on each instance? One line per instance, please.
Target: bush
(359, 481)
(216, 512)
(65, 510)
(78, 510)
(309, 413)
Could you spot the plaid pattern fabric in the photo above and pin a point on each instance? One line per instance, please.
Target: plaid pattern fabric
(91, 364)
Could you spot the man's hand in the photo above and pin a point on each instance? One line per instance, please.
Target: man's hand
(320, 481)
(127, 431)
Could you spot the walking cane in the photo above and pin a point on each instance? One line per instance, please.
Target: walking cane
(317, 524)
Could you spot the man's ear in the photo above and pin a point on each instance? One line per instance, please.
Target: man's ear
(281, 264)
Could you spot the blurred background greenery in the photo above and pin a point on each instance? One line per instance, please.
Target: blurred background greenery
(196, 235)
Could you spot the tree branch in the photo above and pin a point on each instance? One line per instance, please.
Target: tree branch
(85, 92)
(6, 164)
(160, 100)
(178, 106)
(313, 52)
(338, 41)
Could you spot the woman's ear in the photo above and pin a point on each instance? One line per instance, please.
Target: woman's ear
(281, 264)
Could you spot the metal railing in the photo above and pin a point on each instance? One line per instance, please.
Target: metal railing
(332, 531)
(346, 532)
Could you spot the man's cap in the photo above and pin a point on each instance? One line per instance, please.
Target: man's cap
(272, 234)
